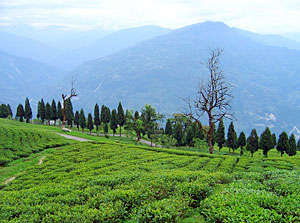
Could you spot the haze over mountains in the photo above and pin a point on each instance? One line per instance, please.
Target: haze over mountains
(158, 66)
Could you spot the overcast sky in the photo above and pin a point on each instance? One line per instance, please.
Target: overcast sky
(263, 16)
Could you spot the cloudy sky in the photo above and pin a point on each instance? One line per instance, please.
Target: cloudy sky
(263, 16)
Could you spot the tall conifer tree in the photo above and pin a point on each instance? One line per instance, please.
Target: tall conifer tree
(113, 121)
(283, 143)
(53, 111)
(48, 113)
(59, 112)
(96, 117)
(120, 117)
(90, 124)
(39, 110)
(43, 111)
(20, 112)
(292, 150)
(252, 142)
(69, 113)
(231, 137)
(82, 120)
(28, 111)
(168, 128)
(266, 141)
(76, 119)
(242, 142)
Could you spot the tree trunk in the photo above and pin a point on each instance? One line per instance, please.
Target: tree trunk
(210, 135)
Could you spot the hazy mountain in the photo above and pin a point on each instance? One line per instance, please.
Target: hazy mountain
(25, 47)
(57, 36)
(22, 77)
(271, 40)
(109, 44)
(160, 70)
(294, 36)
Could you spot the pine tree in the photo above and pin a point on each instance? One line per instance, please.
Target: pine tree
(168, 128)
(298, 145)
(90, 124)
(220, 135)
(274, 140)
(252, 142)
(38, 115)
(292, 150)
(231, 138)
(266, 141)
(96, 117)
(59, 112)
(242, 142)
(53, 112)
(76, 119)
(178, 133)
(48, 113)
(283, 143)
(113, 121)
(82, 120)
(20, 112)
(28, 111)
(120, 117)
(69, 113)
(43, 111)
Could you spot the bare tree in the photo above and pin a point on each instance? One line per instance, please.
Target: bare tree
(65, 99)
(212, 98)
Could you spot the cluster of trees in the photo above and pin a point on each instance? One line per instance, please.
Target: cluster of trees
(48, 112)
(5, 111)
(24, 113)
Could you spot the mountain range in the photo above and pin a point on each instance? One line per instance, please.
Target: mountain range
(164, 66)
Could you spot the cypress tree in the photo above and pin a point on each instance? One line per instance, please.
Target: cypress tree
(231, 137)
(178, 133)
(43, 111)
(283, 143)
(76, 119)
(274, 140)
(113, 121)
(59, 112)
(120, 117)
(242, 142)
(220, 135)
(292, 150)
(69, 113)
(90, 124)
(252, 142)
(266, 141)
(28, 111)
(96, 116)
(48, 113)
(168, 128)
(82, 120)
(105, 128)
(38, 110)
(53, 112)
(20, 112)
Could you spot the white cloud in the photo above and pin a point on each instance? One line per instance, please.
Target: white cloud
(268, 16)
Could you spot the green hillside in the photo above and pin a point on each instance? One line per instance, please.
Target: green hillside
(105, 181)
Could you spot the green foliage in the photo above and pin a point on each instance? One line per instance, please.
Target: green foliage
(283, 143)
(76, 119)
(168, 141)
(189, 136)
(20, 112)
(231, 137)
(266, 141)
(82, 121)
(59, 112)
(178, 133)
(69, 112)
(53, 111)
(274, 140)
(20, 141)
(90, 124)
(220, 135)
(242, 142)
(96, 116)
(43, 111)
(292, 150)
(48, 113)
(113, 121)
(168, 128)
(28, 111)
(120, 117)
(252, 142)
(5, 111)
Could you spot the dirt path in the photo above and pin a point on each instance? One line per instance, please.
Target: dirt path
(9, 180)
(41, 160)
(73, 137)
